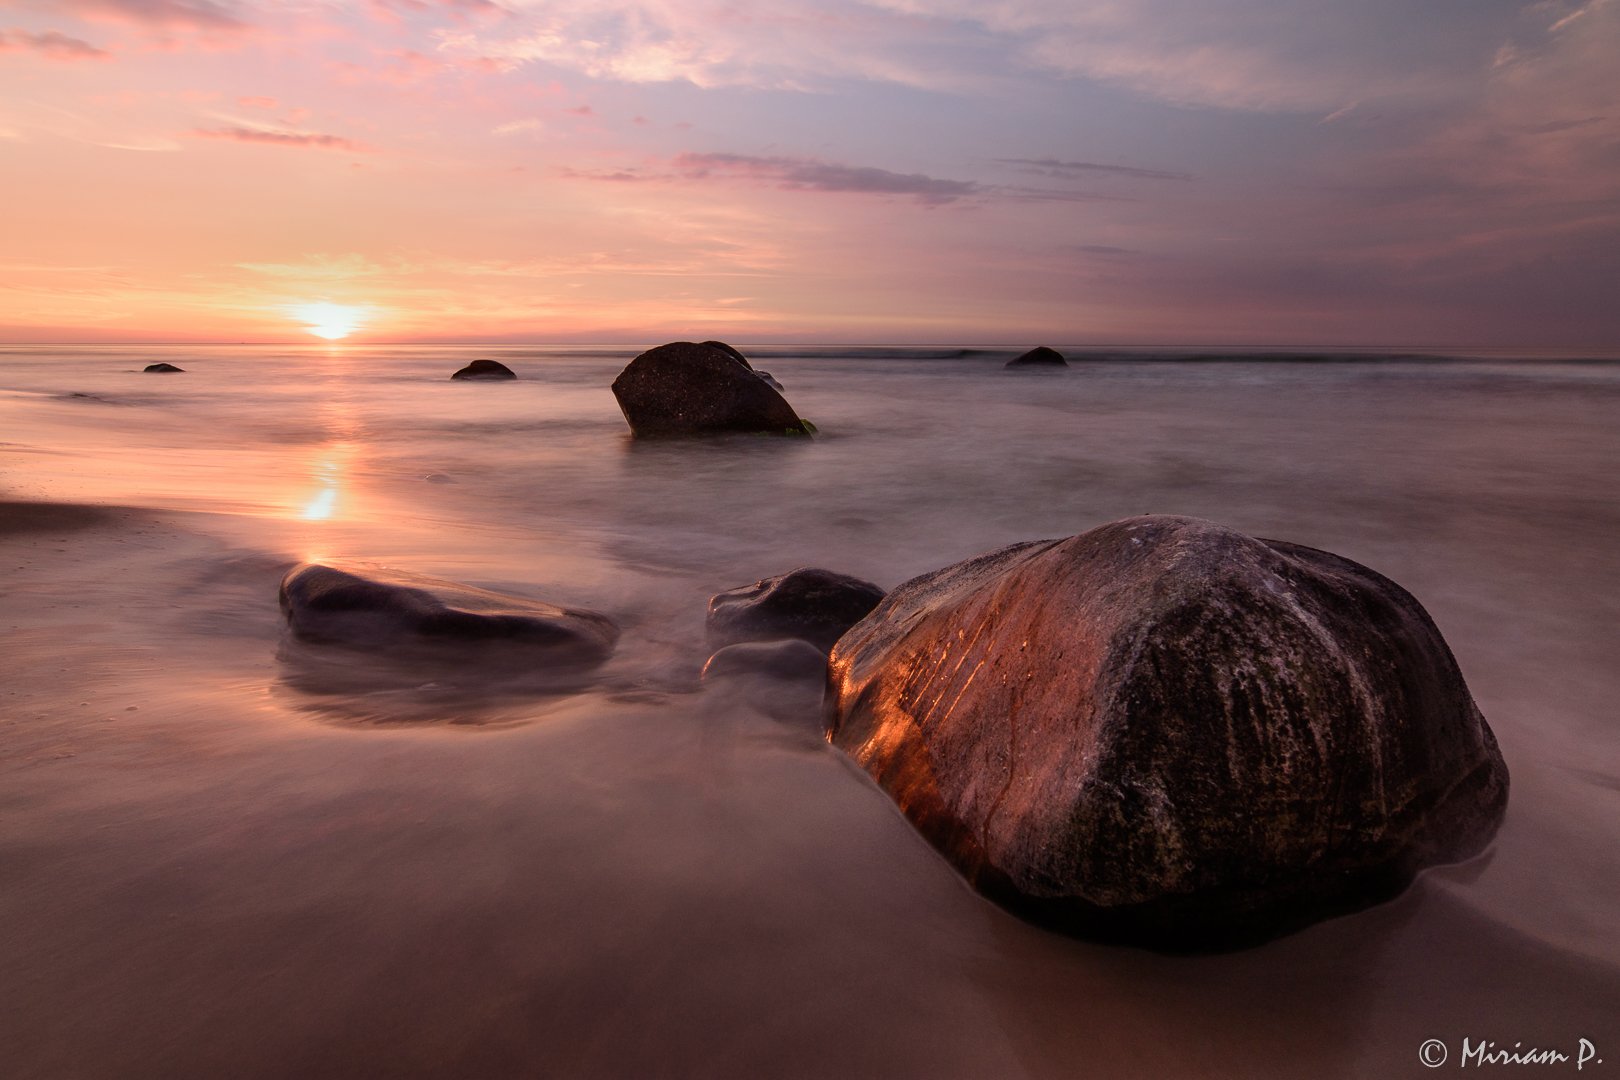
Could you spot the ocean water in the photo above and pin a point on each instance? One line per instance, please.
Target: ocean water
(221, 858)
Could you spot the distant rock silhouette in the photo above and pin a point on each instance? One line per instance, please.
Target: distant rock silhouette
(685, 388)
(793, 659)
(439, 478)
(485, 370)
(808, 603)
(403, 614)
(1039, 357)
(1167, 733)
(162, 368)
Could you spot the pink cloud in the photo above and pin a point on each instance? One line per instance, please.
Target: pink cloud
(257, 102)
(197, 15)
(808, 174)
(52, 45)
(282, 138)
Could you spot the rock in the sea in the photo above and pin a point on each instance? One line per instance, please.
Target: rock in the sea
(729, 351)
(814, 605)
(684, 388)
(793, 659)
(401, 613)
(490, 370)
(1039, 357)
(1167, 733)
(162, 368)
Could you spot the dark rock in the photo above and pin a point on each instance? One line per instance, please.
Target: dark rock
(404, 614)
(1168, 733)
(729, 351)
(439, 478)
(768, 379)
(815, 605)
(1039, 357)
(162, 368)
(793, 659)
(688, 389)
(490, 370)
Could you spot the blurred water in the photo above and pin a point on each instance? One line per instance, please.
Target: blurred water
(1485, 485)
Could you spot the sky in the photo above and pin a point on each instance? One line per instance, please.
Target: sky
(1222, 172)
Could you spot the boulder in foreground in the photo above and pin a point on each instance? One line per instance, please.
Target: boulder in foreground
(162, 369)
(685, 388)
(485, 371)
(411, 615)
(1166, 733)
(1039, 357)
(808, 603)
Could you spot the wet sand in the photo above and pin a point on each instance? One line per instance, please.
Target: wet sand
(206, 879)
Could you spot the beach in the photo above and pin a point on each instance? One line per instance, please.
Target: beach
(224, 858)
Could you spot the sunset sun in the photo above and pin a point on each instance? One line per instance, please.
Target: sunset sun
(330, 321)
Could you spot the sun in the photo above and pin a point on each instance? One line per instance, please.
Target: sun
(330, 321)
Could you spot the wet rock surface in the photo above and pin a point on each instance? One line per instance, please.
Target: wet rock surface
(811, 604)
(1166, 733)
(685, 388)
(162, 369)
(415, 618)
(794, 659)
(1039, 357)
(485, 371)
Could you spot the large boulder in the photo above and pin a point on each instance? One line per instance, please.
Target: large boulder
(1167, 733)
(811, 604)
(1040, 356)
(684, 388)
(485, 371)
(162, 369)
(405, 615)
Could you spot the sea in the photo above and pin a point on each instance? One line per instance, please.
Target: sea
(220, 859)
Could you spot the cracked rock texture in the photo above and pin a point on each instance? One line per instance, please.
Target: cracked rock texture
(1167, 733)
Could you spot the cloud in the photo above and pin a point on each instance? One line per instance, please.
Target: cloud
(195, 15)
(281, 138)
(52, 45)
(1054, 167)
(807, 174)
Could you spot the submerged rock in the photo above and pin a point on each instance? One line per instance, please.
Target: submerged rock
(684, 388)
(1039, 357)
(162, 368)
(412, 615)
(485, 370)
(794, 659)
(1168, 733)
(808, 603)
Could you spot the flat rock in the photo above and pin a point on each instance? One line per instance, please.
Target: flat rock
(485, 370)
(808, 603)
(685, 388)
(1164, 732)
(162, 368)
(405, 614)
(1040, 356)
(793, 659)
